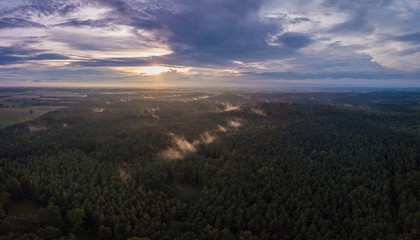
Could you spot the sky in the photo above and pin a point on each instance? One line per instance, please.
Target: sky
(210, 43)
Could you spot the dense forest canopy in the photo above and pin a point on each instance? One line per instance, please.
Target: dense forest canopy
(215, 165)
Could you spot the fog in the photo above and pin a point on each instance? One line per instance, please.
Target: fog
(180, 148)
(220, 128)
(228, 107)
(259, 112)
(152, 112)
(98, 110)
(207, 138)
(235, 123)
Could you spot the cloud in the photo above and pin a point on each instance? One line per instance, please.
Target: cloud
(121, 7)
(349, 5)
(17, 23)
(49, 56)
(74, 22)
(235, 42)
(299, 20)
(409, 37)
(4, 60)
(294, 40)
(113, 62)
(42, 7)
(358, 23)
(336, 75)
(20, 54)
(197, 34)
(20, 49)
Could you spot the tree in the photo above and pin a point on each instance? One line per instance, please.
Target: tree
(49, 232)
(104, 232)
(53, 216)
(75, 217)
(138, 238)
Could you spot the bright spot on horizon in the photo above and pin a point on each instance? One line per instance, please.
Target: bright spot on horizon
(153, 70)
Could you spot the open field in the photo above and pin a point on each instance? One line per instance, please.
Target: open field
(10, 116)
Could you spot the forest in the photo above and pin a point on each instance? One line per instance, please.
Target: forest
(195, 164)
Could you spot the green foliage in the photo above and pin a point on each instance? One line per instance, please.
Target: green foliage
(138, 238)
(49, 232)
(104, 233)
(75, 217)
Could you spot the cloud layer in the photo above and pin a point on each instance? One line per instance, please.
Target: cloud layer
(210, 43)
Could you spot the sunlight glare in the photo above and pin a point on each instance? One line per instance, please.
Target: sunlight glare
(153, 70)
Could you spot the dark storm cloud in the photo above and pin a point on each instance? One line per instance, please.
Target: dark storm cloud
(42, 7)
(20, 54)
(409, 51)
(211, 31)
(410, 37)
(170, 60)
(299, 20)
(5, 60)
(18, 50)
(235, 32)
(349, 5)
(359, 20)
(119, 6)
(49, 56)
(52, 7)
(115, 62)
(335, 75)
(74, 22)
(294, 40)
(17, 23)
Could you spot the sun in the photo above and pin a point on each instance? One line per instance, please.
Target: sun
(153, 70)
